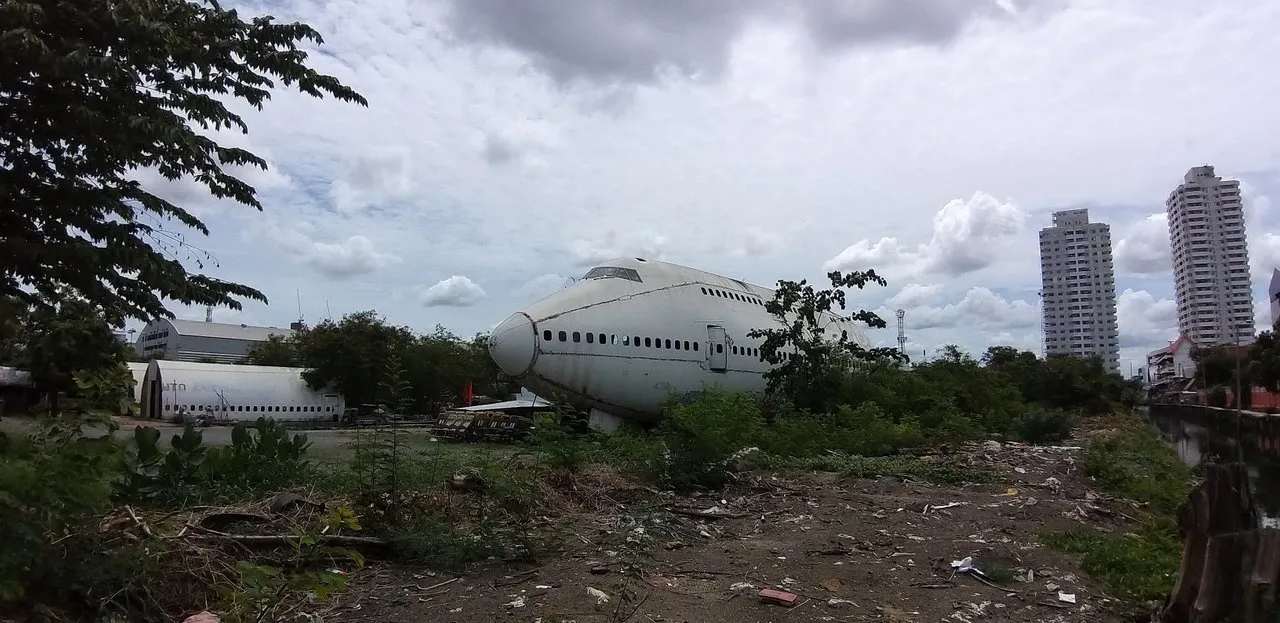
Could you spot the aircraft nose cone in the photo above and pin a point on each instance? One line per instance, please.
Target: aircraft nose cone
(514, 344)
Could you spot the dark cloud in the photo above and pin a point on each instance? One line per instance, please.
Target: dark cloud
(498, 150)
(842, 24)
(640, 41)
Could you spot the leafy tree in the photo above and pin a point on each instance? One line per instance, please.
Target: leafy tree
(94, 90)
(808, 364)
(276, 350)
(352, 354)
(53, 343)
(1264, 359)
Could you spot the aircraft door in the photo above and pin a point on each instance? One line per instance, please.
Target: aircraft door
(717, 358)
(331, 406)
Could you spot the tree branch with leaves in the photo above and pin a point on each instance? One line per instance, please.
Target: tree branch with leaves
(94, 91)
(808, 362)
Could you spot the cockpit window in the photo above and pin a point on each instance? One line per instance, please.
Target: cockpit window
(612, 272)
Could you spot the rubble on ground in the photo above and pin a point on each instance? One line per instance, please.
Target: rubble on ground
(807, 546)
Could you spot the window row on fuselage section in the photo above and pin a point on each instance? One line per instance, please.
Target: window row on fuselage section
(730, 294)
(252, 408)
(612, 339)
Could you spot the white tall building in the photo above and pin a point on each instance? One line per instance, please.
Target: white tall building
(1210, 259)
(1079, 289)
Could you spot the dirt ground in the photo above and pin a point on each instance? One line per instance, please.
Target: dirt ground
(849, 549)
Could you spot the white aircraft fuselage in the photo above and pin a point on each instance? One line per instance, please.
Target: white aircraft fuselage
(632, 332)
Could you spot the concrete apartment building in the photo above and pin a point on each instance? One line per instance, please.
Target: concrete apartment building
(190, 340)
(1079, 289)
(1210, 259)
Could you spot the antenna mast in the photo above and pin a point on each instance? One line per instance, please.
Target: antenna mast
(902, 331)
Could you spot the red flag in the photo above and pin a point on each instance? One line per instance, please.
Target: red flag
(467, 394)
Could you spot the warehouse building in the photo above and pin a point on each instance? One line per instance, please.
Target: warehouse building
(211, 342)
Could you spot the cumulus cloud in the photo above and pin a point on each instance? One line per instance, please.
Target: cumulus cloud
(356, 255)
(914, 295)
(456, 291)
(1143, 248)
(967, 237)
(518, 142)
(645, 244)
(1144, 320)
(372, 178)
(980, 307)
(623, 41)
(542, 286)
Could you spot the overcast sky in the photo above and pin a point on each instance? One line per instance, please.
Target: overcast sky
(511, 144)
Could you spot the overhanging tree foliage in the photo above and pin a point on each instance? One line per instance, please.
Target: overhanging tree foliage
(807, 362)
(93, 90)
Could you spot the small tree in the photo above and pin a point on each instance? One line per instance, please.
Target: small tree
(809, 364)
(377, 457)
(276, 350)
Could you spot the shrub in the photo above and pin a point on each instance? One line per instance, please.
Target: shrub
(51, 483)
(1041, 426)
(702, 435)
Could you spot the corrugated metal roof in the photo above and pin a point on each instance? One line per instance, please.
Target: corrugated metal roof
(226, 330)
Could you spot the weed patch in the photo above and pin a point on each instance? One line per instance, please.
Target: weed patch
(939, 472)
(1135, 568)
(1127, 459)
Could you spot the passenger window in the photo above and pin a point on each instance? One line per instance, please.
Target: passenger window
(591, 338)
(733, 350)
(704, 290)
(677, 344)
(602, 338)
(695, 347)
(719, 348)
(563, 336)
(686, 344)
(668, 344)
(657, 342)
(626, 340)
(647, 343)
(613, 339)
(636, 342)
(546, 335)
(577, 337)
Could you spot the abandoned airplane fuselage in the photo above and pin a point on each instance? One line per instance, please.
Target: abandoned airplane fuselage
(632, 332)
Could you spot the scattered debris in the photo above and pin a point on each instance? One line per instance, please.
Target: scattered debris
(781, 598)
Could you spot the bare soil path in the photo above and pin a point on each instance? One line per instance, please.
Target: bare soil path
(849, 549)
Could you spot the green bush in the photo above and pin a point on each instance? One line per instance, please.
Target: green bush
(1043, 426)
(702, 435)
(52, 483)
(260, 459)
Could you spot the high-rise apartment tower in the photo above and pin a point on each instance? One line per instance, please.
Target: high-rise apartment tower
(1079, 289)
(1210, 259)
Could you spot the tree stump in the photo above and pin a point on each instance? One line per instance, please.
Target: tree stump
(1230, 567)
